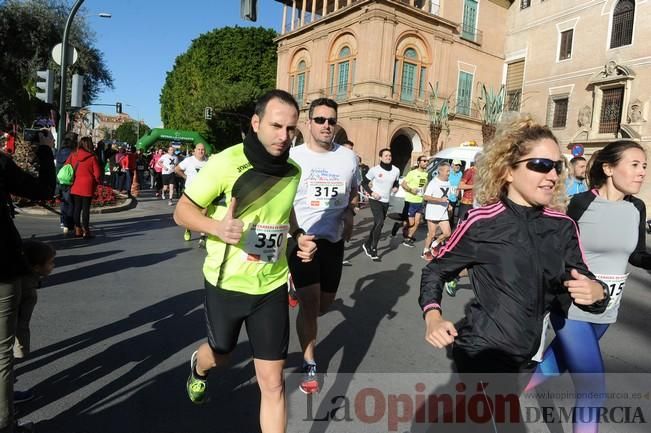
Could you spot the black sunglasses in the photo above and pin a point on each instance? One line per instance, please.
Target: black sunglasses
(543, 165)
(321, 120)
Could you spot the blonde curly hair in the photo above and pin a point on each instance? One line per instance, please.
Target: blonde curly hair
(515, 136)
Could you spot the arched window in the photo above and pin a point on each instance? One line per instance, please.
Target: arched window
(342, 73)
(297, 82)
(412, 75)
(622, 28)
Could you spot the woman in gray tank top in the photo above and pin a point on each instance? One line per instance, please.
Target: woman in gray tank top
(612, 232)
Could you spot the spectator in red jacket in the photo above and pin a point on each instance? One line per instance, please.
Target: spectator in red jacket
(129, 180)
(87, 177)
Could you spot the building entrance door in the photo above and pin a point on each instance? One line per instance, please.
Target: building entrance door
(401, 149)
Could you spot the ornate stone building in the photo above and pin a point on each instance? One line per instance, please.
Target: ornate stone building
(99, 126)
(378, 58)
(584, 67)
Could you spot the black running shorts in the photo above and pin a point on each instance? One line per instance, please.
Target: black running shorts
(169, 179)
(265, 316)
(325, 268)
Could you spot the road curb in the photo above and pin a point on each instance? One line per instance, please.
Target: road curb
(39, 210)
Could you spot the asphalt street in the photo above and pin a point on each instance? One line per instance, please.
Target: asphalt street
(116, 322)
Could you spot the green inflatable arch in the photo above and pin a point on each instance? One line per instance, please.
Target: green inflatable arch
(158, 134)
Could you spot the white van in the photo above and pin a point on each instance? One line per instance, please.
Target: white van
(466, 153)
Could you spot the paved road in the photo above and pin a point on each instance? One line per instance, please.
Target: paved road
(119, 317)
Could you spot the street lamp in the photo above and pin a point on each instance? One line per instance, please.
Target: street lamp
(64, 66)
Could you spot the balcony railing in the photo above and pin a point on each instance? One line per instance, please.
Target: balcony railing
(472, 34)
(416, 100)
(323, 8)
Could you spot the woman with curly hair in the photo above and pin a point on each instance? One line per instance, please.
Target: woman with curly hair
(522, 252)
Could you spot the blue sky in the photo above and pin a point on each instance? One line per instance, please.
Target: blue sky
(143, 38)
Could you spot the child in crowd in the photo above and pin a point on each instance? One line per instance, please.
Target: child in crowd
(40, 257)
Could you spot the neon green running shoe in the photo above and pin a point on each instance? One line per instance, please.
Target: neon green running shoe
(451, 287)
(187, 235)
(196, 387)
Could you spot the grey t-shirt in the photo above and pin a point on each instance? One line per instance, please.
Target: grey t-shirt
(609, 234)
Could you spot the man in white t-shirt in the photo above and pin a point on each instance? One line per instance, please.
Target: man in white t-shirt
(324, 207)
(379, 183)
(436, 211)
(167, 163)
(188, 169)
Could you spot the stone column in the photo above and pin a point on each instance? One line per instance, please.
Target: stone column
(283, 28)
(303, 12)
(325, 8)
(313, 11)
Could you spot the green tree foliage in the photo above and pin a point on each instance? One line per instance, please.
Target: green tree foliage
(130, 132)
(29, 29)
(227, 69)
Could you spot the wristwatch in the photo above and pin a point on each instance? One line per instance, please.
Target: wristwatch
(296, 233)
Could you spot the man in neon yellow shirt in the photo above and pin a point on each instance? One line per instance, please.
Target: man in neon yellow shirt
(414, 185)
(249, 192)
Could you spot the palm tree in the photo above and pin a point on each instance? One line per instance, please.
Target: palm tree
(438, 118)
(491, 107)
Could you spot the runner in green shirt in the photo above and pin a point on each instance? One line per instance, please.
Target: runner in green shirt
(414, 185)
(248, 191)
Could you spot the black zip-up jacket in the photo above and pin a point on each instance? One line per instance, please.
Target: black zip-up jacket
(15, 181)
(518, 258)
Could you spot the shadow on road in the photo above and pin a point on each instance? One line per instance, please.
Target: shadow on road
(111, 266)
(375, 295)
(111, 231)
(169, 326)
(158, 404)
(74, 259)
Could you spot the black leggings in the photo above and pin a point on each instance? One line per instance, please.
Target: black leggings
(81, 208)
(463, 210)
(379, 211)
(502, 377)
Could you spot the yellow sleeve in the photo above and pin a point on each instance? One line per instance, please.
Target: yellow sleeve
(409, 179)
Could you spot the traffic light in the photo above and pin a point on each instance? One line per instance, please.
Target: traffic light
(207, 113)
(248, 9)
(47, 85)
(118, 107)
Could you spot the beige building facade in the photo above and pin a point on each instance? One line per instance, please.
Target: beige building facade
(584, 68)
(99, 126)
(379, 60)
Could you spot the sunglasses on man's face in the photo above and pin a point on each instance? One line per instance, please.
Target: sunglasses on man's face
(321, 120)
(543, 165)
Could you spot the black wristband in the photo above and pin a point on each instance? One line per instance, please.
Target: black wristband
(296, 233)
